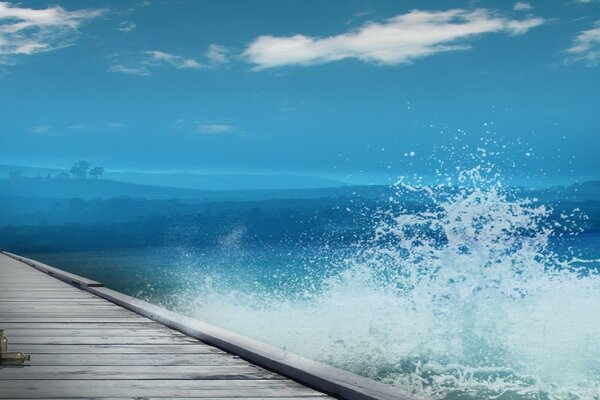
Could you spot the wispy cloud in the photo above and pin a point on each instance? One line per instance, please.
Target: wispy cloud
(160, 57)
(586, 47)
(401, 39)
(522, 6)
(146, 61)
(130, 70)
(26, 31)
(41, 129)
(126, 26)
(207, 127)
(216, 54)
(214, 129)
(94, 126)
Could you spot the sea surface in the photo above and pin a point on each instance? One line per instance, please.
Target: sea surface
(480, 296)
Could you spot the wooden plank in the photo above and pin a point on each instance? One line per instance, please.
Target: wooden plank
(147, 359)
(60, 314)
(28, 389)
(315, 397)
(131, 325)
(100, 340)
(66, 306)
(45, 295)
(18, 333)
(15, 291)
(54, 303)
(50, 318)
(227, 372)
(184, 348)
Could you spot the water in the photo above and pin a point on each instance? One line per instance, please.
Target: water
(479, 295)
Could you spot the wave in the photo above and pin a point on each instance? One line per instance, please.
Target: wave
(460, 299)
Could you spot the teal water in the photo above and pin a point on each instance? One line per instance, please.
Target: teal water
(479, 296)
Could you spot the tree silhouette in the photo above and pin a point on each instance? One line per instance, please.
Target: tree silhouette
(96, 172)
(80, 169)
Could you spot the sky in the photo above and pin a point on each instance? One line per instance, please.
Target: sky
(360, 90)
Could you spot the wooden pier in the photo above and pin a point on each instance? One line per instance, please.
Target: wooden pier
(87, 341)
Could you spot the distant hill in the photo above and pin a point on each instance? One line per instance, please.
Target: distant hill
(192, 180)
(87, 189)
(226, 181)
(6, 170)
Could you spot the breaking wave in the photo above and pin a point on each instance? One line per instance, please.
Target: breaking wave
(458, 298)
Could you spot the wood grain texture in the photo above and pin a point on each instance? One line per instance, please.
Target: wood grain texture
(110, 359)
(144, 372)
(32, 389)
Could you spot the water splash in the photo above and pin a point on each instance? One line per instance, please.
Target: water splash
(459, 298)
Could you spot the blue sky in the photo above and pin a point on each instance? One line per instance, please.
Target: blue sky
(359, 89)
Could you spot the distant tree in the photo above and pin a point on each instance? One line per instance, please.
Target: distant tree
(96, 172)
(80, 169)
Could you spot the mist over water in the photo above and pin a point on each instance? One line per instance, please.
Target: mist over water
(461, 299)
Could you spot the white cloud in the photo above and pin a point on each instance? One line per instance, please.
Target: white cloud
(143, 64)
(25, 31)
(146, 61)
(130, 70)
(586, 47)
(126, 26)
(114, 125)
(214, 129)
(216, 54)
(95, 126)
(522, 6)
(401, 39)
(41, 129)
(172, 60)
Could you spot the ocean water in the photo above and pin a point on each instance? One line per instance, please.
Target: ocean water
(479, 295)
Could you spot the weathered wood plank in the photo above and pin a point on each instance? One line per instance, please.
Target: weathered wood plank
(148, 359)
(316, 397)
(130, 325)
(62, 319)
(100, 340)
(59, 314)
(51, 303)
(66, 307)
(28, 389)
(81, 333)
(184, 348)
(45, 295)
(228, 372)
